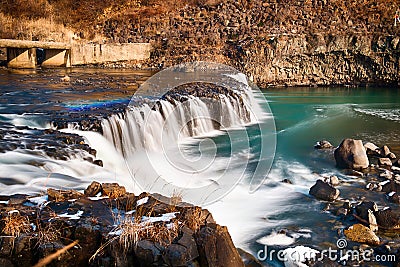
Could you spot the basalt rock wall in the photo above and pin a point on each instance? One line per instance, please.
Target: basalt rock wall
(318, 59)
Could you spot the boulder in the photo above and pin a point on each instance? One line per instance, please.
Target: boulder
(363, 208)
(387, 219)
(373, 225)
(216, 248)
(248, 259)
(362, 234)
(351, 154)
(324, 191)
(147, 252)
(93, 189)
(397, 163)
(323, 144)
(390, 186)
(63, 195)
(372, 148)
(184, 251)
(333, 180)
(385, 151)
(113, 190)
(385, 162)
(393, 197)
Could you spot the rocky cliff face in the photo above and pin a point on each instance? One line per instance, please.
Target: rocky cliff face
(320, 59)
(278, 43)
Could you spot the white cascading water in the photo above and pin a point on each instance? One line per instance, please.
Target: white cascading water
(145, 128)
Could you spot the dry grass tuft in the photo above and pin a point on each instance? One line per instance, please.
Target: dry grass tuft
(130, 229)
(15, 224)
(194, 218)
(47, 234)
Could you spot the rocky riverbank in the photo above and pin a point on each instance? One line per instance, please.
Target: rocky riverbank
(369, 216)
(112, 227)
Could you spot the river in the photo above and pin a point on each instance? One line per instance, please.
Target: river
(31, 100)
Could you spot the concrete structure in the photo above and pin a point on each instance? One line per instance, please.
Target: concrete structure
(23, 54)
(83, 54)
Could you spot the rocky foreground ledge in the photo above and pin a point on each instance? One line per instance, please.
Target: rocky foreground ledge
(107, 226)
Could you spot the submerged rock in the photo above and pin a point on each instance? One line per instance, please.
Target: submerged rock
(323, 144)
(351, 154)
(360, 233)
(324, 191)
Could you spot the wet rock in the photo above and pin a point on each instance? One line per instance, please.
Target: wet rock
(286, 181)
(360, 233)
(324, 191)
(216, 248)
(373, 225)
(113, 190)
(93, 189)
(390, 186)
(387, 219)
(342, 212)
(363, 208)
(323, 144)
(397, 163)
(392, 155)
(372, 148)
(248, 259)
(385, 151)
(385, 162)
(393, 197)
(333, 180)
(62, 195)
(351, 154)
(386, 174)
(98, 162)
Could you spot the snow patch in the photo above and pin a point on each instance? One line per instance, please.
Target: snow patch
(75, 216)
(142, 201)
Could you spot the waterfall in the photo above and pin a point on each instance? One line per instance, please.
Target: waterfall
(149, 126)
